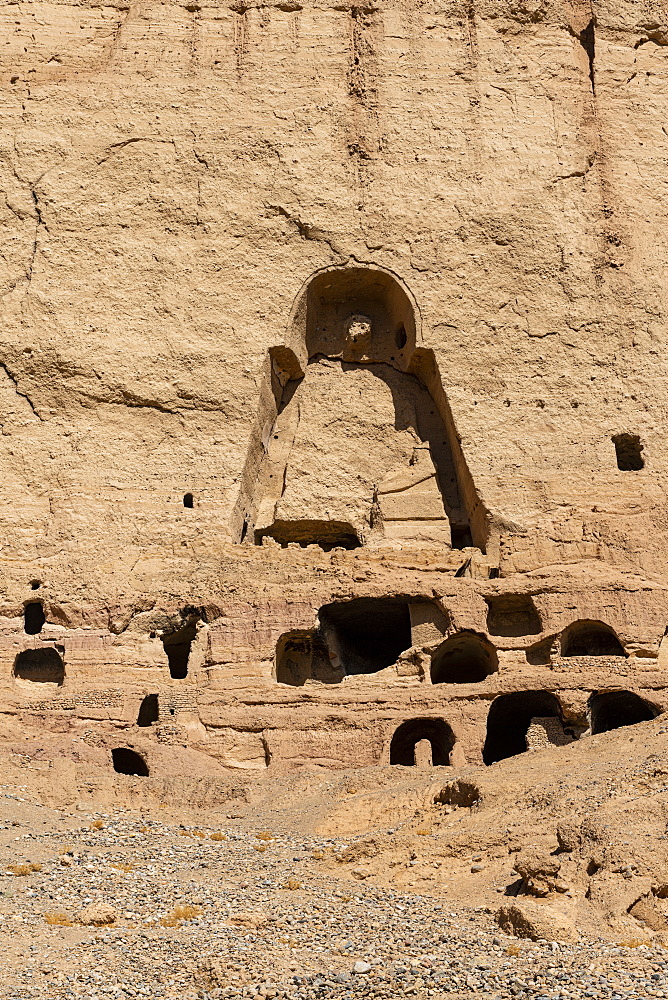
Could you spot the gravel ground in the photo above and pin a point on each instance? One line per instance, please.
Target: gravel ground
(259, 920)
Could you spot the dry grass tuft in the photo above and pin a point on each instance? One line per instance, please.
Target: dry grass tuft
(292, 883)
(97, 825)
(632, 943)
(55, 919)
(123, 866)
(217, 835)
(24, 869)
(261, 848)
(513, 949)
(423, 833)
(264, 835)
(184, 911)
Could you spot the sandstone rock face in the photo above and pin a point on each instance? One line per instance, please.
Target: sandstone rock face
(332, 381)
(535, 921)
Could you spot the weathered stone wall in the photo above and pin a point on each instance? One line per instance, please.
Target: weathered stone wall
(175, 177)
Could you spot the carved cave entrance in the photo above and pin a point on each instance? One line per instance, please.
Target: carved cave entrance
(128, 761)
(367, 634)
(354, 437)
(177, 646)
(590, 638)
(41, 666)
(512, 615)
(149, 711)
(509, 719)
(464, 658)
(614, 709)
(361, 636)
(409, 734)
(34, 618)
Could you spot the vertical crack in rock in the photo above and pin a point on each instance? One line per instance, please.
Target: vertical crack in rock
(472, 32)
(588, 42)
(241, 38)
(362, 87)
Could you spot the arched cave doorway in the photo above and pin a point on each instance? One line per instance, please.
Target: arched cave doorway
(509, 719)
(464, 658)
(590, 638)
(366, 634)
(34, 618)
(354, 433)
(149, 711)
(177, 646)
(610, 710)
(128, 761)
(40, 666)
(407, 736)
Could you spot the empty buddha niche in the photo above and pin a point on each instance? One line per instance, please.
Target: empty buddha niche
(358, 452)
(358, 426)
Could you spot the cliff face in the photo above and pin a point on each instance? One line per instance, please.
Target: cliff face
(386, 279)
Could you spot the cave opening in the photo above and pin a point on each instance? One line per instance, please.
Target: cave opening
(610, 710)
(366, 634)
(590, 638)
(34, 618)
(409, 734)
(149, 711)
(41, 666)
(508, 722)
(128, 761)
(464, 658)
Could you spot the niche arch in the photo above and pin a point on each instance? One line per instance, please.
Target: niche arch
(43, 665)
(464, 658)
(590, 638)
(366, 634)
(354, 441)
(127, 761)
(407, 736)
(508, 722)
(610, 710)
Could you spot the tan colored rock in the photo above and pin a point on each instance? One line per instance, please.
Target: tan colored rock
(650, 913)
(249, 921)
(537, 922)
(97, 915)
(540, 874)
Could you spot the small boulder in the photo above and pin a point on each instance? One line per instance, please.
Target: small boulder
(249, 921)
(540, 874)
(569, 836)
(367, 848)
(536, 921)
(361, 967)
(649, 913)
(97, 915)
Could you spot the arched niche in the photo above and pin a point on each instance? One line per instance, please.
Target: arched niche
(464, 658)
(149, 711)
(367, 634)
(128, 761)
(590, 638)
(610, 710)
(409, 734)
(509, 718)
(39, 666)
(354, 441)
